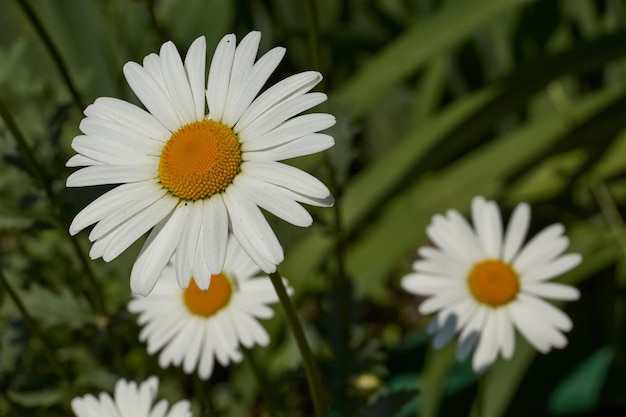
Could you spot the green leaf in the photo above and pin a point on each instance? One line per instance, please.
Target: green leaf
(390, 404)
(404, 55)
(15, 223)
(52, 309)
(42, 398)
(579, 391)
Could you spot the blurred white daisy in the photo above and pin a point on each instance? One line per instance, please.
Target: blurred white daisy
(193, 327)
(192, 177)
(130, 400)
(484, 283)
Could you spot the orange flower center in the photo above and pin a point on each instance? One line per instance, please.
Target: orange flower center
(199, 160)
(207, 302)
(493, 282)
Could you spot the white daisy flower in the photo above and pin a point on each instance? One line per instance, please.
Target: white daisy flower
(192, 177)
(193, 327)
(484, 284)
(130, 400)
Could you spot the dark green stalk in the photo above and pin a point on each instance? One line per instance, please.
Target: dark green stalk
(201, 392)
(32, 326)
(263, 385)
(310, 368)
(54, 52)
(314, 34)
(618, 228)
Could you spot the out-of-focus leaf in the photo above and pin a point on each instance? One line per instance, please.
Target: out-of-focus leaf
(390, 404)
(15, 223)
(417, 44)
(42, 398)
(52, 309)
(12, 345)
(579, 391)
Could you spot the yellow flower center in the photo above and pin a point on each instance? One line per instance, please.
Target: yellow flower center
(493, 282)
(207, 302)
(199, 160)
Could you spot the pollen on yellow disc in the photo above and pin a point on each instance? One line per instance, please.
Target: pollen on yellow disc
(207, 302)
(493, 282)
(200, 159)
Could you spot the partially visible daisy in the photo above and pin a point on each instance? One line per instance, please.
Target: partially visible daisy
(129, 400)
(192, 177)
(193, 327)
(485, 284)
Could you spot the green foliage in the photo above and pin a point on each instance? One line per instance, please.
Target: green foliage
(436, 102)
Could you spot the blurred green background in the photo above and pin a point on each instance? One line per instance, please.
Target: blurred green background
(436, 101)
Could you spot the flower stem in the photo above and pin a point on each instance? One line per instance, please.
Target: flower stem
(32, 325)
(310, 368)
(478, 410)
(56, 55)
(263, 385)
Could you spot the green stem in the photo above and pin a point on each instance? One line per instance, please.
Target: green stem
(201, 392)
(314, 33)
(56, 55)
(481, 396)
(32, 325)
(310, 368)
(263, 385)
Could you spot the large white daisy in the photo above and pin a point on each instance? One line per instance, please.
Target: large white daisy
(130, 400)
(193, 327)
(484, 283)
(192, 177)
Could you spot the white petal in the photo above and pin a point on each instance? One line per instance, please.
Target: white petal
(111, 174)
(219, 76)
(128, 208)
(177, 84)
(152, 96)
(543, 242)
(292, 129)
(115, 151)
(195, 64)
(290, 87)
(287, 177)
(552, 290)
(243, 60)
(442, 300)
(156, 252)
(546, 271)
(423, 284)
(274, 117)
(506, 333)
(188, 242)
(109, 203)
(129, 116)
(273, 199)
(487, 349)
(471, 332)
(306, 145)
(530, 325)
(488, 224)
(261, 71)
(516, 231)
(214, 236)
(549, 314)
(80, 161)
(252, 231)
(135, 227)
